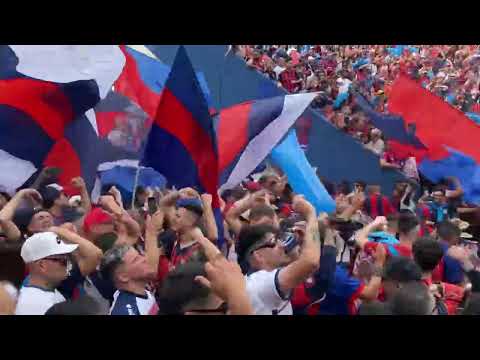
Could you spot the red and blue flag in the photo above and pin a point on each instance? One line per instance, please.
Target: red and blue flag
(182, 143)
(449, 136)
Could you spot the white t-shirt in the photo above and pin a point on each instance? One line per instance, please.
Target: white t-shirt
(278, 70)
(262, 289)
(377, 147)
(34, 300)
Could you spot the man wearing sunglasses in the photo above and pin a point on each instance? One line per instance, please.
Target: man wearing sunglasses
(47, 258)
(271, 276)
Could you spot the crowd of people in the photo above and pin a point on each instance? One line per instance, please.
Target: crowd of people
(449, 71)
(162, 254)
(413, 252)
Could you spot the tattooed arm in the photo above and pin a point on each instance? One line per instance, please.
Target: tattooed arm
(308, 262)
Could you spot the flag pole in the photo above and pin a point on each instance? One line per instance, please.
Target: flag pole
(135, 185)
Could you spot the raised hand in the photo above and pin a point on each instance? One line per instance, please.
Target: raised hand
(458, 253)
(207, 200)
(380, 255)
(31, 194)
(302, 206)
(224, 278)
(380, 221)
(154, 223)
(78, 183)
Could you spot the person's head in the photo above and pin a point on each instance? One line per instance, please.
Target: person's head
(408, 227)
(427, 253)
(398, 271)
(413, 298)
(439, 196)
(97, 224)
(374, 189)
(54, 197)
(259, 247)
(375, 134)
(84, 305)
(449, 232)
(31, 221)
(140, 195)
(399, 187)
(126, 267)
(472, 305)
(272, 183)
(181, 294)
(392, 223)
(187, 215)
(263, 215)
(359, 186)
(281, 61)
(47, 257)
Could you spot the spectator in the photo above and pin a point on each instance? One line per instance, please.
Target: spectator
(413, 298)
(84, 305)
(52, 274)
(130, 272)
(270, 277)
(427, 253)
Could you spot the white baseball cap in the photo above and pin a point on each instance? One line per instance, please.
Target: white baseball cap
(44, 244)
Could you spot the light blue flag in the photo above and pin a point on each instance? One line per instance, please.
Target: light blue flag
(289, 157)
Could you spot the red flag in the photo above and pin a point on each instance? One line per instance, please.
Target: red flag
(438, 124)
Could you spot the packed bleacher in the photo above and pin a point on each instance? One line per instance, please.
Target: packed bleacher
(259, 247)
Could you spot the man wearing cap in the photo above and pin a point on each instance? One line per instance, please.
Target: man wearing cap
(26, 219)
(56, 202)
(52, 276)
(186, 212)
(271, 277)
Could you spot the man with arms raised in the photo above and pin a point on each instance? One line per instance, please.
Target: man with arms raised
(271, 277)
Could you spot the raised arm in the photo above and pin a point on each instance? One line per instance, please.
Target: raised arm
(361, 237)
(87, 255)
(325, 275)
(121, 216)
(11, 231)
(357, 204)
(225, 279)
(370, 291)
(458, 188)
(307, 263)
(153, 227)
(79, 184)
(385, 164)
(209, 218)
(25, 194)
(239, 207)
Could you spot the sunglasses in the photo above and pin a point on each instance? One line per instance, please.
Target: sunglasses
(270, 244)
(61, 260)
(222, 309)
